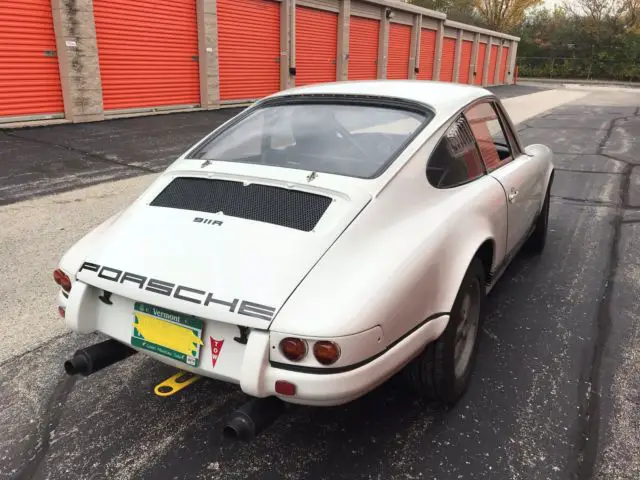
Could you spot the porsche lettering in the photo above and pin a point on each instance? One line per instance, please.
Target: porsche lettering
(180, 292)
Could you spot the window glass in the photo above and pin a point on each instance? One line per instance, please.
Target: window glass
(489, 134)
(355, 140)
(456, 159)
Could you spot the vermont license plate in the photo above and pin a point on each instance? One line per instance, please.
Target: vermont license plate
(168, 333)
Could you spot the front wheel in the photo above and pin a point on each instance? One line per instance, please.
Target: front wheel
(443, 370)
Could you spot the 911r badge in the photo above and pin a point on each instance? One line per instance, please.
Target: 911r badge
(216, 346)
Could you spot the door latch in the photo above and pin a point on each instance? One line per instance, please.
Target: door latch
(513, 195)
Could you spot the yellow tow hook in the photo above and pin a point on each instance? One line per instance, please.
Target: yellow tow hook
(175, 383)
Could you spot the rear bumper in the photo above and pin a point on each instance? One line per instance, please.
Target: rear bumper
(248, 365)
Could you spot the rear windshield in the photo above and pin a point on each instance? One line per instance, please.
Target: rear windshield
(355, 140)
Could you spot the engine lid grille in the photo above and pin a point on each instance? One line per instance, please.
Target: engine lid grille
(262, 203)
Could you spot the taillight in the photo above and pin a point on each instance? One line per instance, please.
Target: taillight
(62, 311)
(326, 352)
(62, 279)
(293, 349)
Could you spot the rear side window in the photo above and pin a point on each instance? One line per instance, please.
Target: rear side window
(489, 132)
(456, 160)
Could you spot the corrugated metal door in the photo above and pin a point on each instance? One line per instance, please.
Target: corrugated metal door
(399, 51)
(503, 64)
(248, 48)
(29, 74)
(493, 59)
(148, 53)
(363, 48)
(465, 61)
(316, 45)
(482, 52)
(448, 59)
(427, 54)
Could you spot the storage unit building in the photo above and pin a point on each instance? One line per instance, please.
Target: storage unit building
(148, 53)
(91, 59)
(493, 59)
(30, 84)
(364, 35)
(248, 48)
(399, 51)
(316, 45)
(465, 61)
(427, 54)
(448, 59)
(503, 64)
(482, 53)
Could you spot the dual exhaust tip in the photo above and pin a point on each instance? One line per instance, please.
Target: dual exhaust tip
(244, 424)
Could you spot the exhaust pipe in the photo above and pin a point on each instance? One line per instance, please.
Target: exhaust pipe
(253, 417)
(96, 357)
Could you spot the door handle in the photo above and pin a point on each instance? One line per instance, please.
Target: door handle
(513, 195)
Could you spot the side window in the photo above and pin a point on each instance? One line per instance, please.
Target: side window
(490, 135)
(456, 159)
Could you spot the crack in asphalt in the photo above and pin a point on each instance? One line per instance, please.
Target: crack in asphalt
(31, 350)
(573, 170)
(52, 414)
(591, 203)
(569, 128)
(89, 154)
(590, 412)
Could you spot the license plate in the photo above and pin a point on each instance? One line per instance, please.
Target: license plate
(168, 333)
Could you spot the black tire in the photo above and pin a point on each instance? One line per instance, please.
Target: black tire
(433, 374)
(536, 242)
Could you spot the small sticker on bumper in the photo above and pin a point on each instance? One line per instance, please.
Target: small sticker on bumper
(216, 347)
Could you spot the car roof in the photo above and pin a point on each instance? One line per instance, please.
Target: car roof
(443, 97)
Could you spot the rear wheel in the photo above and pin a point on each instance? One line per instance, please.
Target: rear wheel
(443, 370)
(536, 242)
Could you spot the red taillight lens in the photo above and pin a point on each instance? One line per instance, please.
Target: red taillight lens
(62, 279)
(61, 311)
(326, 352)
(293, 349)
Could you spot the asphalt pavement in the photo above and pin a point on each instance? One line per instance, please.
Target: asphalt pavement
(555, 393)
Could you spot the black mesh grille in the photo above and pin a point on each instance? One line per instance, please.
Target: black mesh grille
(263, 203)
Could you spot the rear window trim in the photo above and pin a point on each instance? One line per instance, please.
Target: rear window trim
(392, 103)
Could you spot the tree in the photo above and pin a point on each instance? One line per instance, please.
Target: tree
(505, 15)
(458, 10)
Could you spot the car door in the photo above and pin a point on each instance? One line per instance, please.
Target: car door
(516, 172)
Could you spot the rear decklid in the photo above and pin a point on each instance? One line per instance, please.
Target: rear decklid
(219, 247)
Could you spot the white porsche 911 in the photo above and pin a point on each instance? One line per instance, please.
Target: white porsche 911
(317, 243)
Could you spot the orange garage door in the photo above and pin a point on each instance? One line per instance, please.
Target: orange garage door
(503, 64)
(248, 48)
(448, 59)
(493, 59)
(29, 75)
(316, 46)
(482, 52)
(363, 48)
(399, 50)
(465, 62)
(427, 54)
(148, 53)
